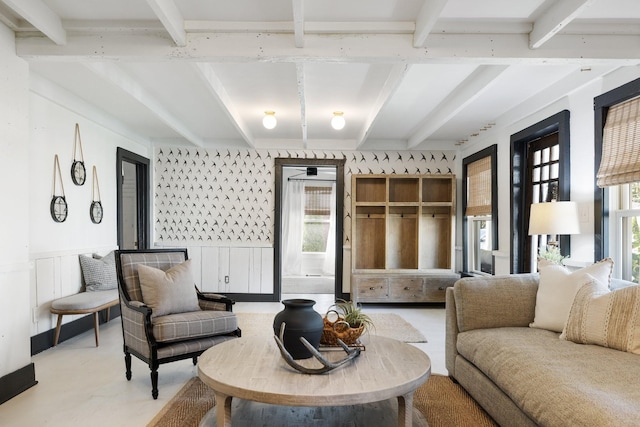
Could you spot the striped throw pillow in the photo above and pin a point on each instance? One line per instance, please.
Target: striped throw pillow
(608, 319)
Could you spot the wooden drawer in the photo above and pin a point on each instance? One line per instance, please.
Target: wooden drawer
(371, 289)
(435, 288)
(406, 289)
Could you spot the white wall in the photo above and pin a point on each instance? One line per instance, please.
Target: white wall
(580, 105)
(54, 247)
(15, 178)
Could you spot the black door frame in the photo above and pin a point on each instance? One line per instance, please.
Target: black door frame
(519, 147)
(277, 246)
(142, 192)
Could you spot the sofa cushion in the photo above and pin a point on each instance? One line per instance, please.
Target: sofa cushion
(479, 299)
(192, 325)
(609, 319)
(558, 287)
(168, 292)
(99, 273)
(557, 382)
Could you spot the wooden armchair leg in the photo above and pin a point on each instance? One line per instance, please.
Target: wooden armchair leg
(127, 364)
(154, 383)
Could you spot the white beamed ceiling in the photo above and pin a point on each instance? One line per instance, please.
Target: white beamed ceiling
(408, 74)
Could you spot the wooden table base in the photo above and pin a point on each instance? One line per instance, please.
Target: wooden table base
(245, 413)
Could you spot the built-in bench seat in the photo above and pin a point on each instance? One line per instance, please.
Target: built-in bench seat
(84, 303)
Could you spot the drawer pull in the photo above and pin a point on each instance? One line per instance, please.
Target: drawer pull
(442, 288)
(372, 288)
(406, 288)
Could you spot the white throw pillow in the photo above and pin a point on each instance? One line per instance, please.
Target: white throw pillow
(558, 287)
(168, 292)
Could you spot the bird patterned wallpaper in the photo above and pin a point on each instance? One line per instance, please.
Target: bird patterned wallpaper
(208, 197)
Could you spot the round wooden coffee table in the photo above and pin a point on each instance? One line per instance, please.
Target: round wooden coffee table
(252, 370)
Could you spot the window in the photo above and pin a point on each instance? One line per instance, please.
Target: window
(617, 195)
(480, 211)
(317, 215)
(544, 166)
(479, 244)
(625, 230)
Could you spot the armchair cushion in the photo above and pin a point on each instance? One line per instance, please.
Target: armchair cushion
(168, 292)
(192, 325)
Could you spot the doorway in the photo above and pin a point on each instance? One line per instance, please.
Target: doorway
(309, 226)
(539, 173)
(132, 172)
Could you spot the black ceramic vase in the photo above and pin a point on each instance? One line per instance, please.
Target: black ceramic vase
(301, 320)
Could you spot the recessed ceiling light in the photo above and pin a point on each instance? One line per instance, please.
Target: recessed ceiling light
(269, 120)
(338, 122)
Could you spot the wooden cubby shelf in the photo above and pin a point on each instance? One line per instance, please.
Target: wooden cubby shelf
(402, 237)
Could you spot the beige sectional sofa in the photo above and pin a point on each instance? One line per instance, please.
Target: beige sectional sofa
(524, 376)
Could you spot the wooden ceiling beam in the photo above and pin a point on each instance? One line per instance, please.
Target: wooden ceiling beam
(391, 84)
(357, 48)
(119, 78)
(168, 13)
(300, 78)
(41, 17)
(470, 89)
(216, 88)
(298, 22)
(426, 20)
(554, 19)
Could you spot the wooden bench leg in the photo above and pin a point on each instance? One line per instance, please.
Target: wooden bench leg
(57, 334)
(96, 322)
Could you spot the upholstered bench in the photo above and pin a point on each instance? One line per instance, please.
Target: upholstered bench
(84, 303)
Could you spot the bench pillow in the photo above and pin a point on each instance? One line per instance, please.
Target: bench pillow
(608, 319)
(99, 273)
(168, 292)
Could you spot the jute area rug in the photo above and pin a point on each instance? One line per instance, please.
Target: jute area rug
(386, 324)
(442, 402)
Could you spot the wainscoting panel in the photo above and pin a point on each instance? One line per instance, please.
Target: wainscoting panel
(55, 275)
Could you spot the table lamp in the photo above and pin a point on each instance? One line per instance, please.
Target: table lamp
(553, 219)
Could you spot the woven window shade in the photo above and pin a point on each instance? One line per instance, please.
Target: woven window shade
(317, 200)
(621, 145)
(479, 187)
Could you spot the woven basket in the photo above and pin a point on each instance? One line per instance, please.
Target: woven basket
(339, 329)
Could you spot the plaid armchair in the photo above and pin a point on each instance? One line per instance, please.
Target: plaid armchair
(167, 338)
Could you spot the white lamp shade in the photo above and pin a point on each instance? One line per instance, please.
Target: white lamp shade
(269, 120)
(338, 122)
(554, 218)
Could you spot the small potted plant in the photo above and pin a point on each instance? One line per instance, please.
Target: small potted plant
(348, 323)
(551, 254)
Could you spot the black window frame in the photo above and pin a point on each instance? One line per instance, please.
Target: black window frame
(601, 105)
(491, 151)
